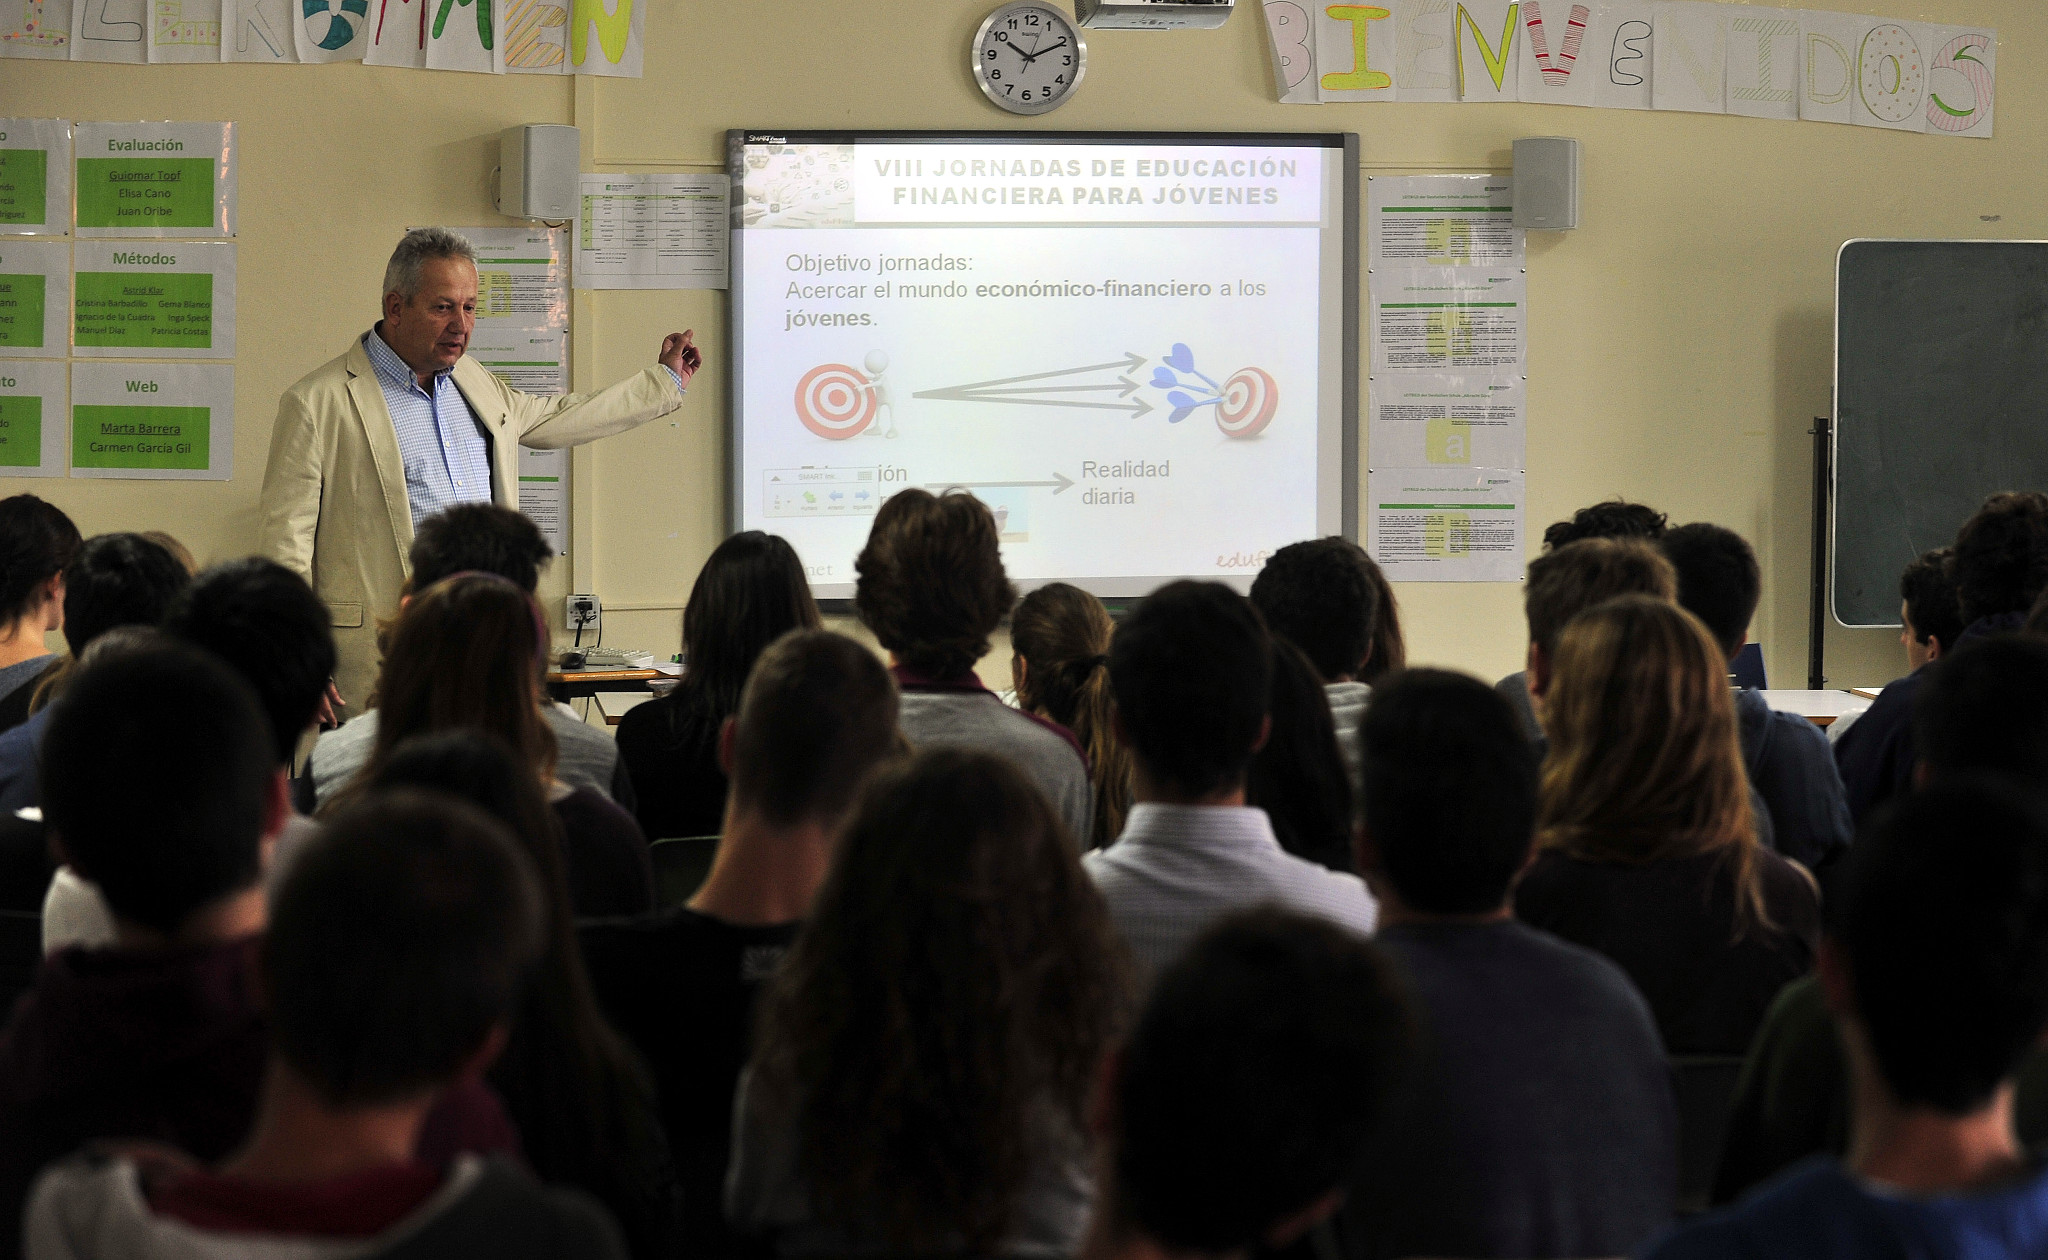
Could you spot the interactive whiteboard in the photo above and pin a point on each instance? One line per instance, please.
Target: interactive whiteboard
(1138, 350)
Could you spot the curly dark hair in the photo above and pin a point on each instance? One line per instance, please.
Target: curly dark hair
(931, 585)
(1320, 596)
(2001, 555)
(1611, 518)
(959, 973)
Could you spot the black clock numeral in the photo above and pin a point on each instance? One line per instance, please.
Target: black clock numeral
(1066, 61)
(991, 54)
(1002, 37)
(995, 74)
(1012, 24)
(1027, 94)
(1059, 78)
(1031, 19)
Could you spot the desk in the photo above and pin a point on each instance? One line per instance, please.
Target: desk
(613, 704)
(589, 682)
(1822, 708)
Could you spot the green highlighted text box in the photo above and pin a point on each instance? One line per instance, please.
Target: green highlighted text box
(24, 183)
(144, 310)
(140, 437)
(161, 192)
(21, 431)
(21, 310)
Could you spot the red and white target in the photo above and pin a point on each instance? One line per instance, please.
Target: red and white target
(834, 401)
(1249, 399)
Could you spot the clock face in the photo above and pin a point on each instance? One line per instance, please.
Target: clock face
(1028, 58)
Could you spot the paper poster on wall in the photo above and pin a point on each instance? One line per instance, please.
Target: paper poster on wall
(110, 30)
(1418, 420)
(536, 37)
(467, 35)
(184, 31)
(33, 418)
(1625, 55)
(330, 30)
(257, 30)
(1354, 52)
(398, 34)
(522, 277)
(535, 360)
(38, 30)
(1891, 76)
(606, 37)
(171, 300)
(1448, 319)
(1560, 48)
(1425, 52)
(156, 179)
(1441, 221)
(153, 421)
(35, 176)
(1692, 57)
(1763, 65)
(35, 298)
(544, 494)
(1446, 524)
(1290, 38)
(652, 232)
(1489, 63)
(1961, 75)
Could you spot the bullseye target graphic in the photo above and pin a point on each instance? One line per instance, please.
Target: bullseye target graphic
(834, 401)
(1249, 400)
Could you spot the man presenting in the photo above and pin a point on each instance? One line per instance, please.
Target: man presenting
(405, 424)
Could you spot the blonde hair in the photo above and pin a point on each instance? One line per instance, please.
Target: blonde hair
(1644, 762)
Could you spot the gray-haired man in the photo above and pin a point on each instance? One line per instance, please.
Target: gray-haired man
(405, 424)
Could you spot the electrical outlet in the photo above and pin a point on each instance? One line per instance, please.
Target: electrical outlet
(581, 612)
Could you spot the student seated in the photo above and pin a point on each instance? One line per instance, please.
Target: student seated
(430, 898)
(1540, 1120)
(750, 592)
(1983, 711)
(1191, 670)
(1613, 518)
(1060, 669)
(932, 590)
(159, 1035)
(817, 717)
(584, 1105)
(1389, 647)
(925, 1055)
(1568, 580)
(36, 542)
(1320, 596)
(1930, 619)
(2000, 567)
(1299, 778)
(1786, 757)
(112, 580)
(265, 623)
(477, 538)
(1647, 847)
(468, 653)
(1936, 968)
(1256, 1077)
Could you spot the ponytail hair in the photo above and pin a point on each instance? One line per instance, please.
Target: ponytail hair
(1062, 633)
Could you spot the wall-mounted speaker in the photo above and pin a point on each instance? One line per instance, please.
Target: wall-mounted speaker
(1547, 183)
(537, 169)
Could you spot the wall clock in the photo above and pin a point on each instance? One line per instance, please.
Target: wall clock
(1028, 57)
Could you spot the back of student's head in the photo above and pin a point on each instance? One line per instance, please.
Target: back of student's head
(466, 652)
(1576, 576)
(478, 538)
(118, 580)
(1320, 596)
(1061, 633)
(1986, 709)
(1253, 1081)
(1927, 591)
(1942, 913)
(816, 719)
(2001, 555)
(931, 584)
(263, 619)
(158, 777)
(399, 939)
(750, 592)
(1298, 777)
(1718, 579)
(1611, 518)
(958, 979)
(1389, 646)
(1450, 791)
(36, 542)
(1191, 668)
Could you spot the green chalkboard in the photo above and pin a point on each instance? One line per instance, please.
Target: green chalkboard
(1941, 399)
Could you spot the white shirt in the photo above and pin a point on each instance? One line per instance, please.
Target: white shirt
(1178, 868)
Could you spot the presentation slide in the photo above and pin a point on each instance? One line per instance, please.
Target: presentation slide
(1138, 350)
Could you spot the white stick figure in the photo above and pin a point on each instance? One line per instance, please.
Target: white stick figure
(877, 364)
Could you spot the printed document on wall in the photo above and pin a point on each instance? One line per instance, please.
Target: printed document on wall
(652, 232)
(1442, 221)
(1446, 524)
(535, 360)
(1426, 419)
(522, 279)
(1449, 319)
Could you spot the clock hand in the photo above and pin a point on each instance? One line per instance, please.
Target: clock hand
(1041, 52)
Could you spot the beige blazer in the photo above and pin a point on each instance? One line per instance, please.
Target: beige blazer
(334, 503)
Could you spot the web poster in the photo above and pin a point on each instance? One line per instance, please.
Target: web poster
(153, 421)
(653, 232)
(522, 280)
(535, 360)
(156, 179)
(1446, 524)
(32, 412)
(35, 297)
(1442, 221)
(158, 300)
(1425, 419)
(35, 177)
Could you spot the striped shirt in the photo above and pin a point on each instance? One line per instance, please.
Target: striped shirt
(447, 457)
(1178, 868)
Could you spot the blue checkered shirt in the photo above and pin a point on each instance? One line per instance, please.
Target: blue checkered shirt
(447, 457)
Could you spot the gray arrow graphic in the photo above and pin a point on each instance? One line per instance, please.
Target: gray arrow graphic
(1131, 362)
(1124, 387)
(1136, 409)
(1060, 481)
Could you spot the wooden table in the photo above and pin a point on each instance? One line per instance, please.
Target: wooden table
(565, 686)
(1822, 708)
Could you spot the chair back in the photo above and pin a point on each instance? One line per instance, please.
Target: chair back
(680, 866)
(1705, 1086)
